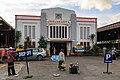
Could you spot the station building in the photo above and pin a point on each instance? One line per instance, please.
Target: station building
(7, 34)
(109, 36)
(60, 27)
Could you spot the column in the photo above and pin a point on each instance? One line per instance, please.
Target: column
(67, 32)
(48, 48)
(55, 32)
(48, 31)
(68, 49)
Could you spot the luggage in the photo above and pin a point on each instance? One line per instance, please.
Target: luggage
(74, 69)
(61, 65)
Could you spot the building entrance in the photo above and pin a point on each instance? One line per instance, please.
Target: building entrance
(58, 47)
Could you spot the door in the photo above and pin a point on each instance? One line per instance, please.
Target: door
(58, 47)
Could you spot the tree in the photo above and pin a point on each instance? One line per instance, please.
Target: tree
(17, 37)
(42, 42)
(92, 36)
(27, 42)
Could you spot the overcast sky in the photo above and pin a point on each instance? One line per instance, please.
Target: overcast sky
(107, 11)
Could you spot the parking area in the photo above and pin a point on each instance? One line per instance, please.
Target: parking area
(91, 68)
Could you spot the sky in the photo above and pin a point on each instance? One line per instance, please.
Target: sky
(106, 11)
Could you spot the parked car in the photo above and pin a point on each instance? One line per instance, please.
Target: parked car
(38, 54)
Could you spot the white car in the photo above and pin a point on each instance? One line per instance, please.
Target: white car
(38, 53)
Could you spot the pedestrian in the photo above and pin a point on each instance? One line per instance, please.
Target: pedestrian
(61, 60)
(10, 61)
(113, 53)
(3, 55)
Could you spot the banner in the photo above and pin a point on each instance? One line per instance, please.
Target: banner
(25, 53)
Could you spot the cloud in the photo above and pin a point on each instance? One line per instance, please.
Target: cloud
(110, 18)
(114, 18)
(116, 2)
(10, 8)
(97, 4)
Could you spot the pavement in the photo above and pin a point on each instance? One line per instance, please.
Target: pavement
(91, 68)
(3, 70)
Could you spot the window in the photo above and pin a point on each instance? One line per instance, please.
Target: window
(66, 32)
(25, 31)
(33, 28)
(88, 32)
(84, 32)
(88, 44)
(58, 16)
(81, 32)
(62, 31)
(54, 32)
(50, 31)
(30, 31)
(59, 31)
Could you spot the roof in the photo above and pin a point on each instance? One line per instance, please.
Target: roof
(110, 26)
(6, 22)
(86, 19)
(58, 8)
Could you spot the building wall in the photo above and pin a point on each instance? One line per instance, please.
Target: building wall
(86, 27)
(48, 18)
(22, 21)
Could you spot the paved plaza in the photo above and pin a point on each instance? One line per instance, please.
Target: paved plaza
(91, 68)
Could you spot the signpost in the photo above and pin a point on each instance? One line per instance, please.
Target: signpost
(108, 59)
(26, 53)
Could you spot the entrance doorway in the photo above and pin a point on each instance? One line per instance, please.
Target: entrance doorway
(58, 47)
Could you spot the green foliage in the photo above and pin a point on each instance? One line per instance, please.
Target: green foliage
(42, 42)
(92, 36)
(27, 43)
(17, 37)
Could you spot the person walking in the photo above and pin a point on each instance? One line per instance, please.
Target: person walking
(61, 60)
(114, 53)
(2, 55)
(10, 61)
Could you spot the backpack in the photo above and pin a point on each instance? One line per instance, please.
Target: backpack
(74, 70)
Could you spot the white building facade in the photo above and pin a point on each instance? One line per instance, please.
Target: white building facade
(60, 27)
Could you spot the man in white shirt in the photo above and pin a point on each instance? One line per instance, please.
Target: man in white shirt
(61, 60)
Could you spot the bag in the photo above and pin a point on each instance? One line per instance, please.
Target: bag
(73, 70)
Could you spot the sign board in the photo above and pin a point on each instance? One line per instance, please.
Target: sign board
(79, 48)
(25, 53)
(108, 58)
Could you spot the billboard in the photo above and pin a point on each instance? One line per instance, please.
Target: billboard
(78, 48)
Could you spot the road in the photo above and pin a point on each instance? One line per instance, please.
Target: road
(91, 68)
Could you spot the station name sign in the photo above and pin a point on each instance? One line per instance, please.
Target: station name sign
(59, 21)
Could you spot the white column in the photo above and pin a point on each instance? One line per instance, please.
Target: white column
(68, 49)
(67, 32)
(48, 31)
